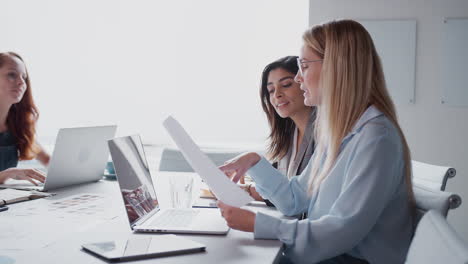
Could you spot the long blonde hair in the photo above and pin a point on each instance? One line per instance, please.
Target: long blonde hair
(351, 80)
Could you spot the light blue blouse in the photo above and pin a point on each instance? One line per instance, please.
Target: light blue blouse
(360, 209)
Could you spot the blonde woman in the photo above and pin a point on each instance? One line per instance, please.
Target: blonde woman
(357, 187)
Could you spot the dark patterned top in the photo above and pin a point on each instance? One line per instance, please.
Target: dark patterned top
(8, 151)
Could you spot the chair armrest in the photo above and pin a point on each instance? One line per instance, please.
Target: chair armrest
(451, 172)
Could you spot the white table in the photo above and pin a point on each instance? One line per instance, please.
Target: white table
(59, 240)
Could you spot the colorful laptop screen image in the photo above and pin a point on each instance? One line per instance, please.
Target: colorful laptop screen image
(133, 176)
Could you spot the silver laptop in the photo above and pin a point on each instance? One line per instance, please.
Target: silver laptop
(80, 155)
(141, 203)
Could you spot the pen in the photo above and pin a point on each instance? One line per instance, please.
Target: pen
(3, 208)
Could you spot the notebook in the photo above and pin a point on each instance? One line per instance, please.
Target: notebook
(140, 198)
(80, 156)
(9, 196)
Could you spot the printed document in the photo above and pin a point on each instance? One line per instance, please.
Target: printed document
(224, 189)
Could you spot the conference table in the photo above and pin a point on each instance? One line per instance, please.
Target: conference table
(49, 230)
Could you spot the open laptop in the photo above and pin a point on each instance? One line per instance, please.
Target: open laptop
(141, 203)
(80, 155)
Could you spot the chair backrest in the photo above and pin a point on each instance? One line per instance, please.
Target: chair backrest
(173, 159)
(429, 199)
(435, 241)
(431, 176)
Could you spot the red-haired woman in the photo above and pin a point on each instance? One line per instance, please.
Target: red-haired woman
(18, 116)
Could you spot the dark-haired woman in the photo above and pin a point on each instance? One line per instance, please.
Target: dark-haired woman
(291, 121)
(18, 116)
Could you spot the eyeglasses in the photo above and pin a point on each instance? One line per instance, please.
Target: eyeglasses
(301, 64)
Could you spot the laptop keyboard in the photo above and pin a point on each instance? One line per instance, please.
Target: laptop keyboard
(175, 218)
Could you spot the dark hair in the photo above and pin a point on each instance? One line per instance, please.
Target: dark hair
(22, 116)
(281, 128)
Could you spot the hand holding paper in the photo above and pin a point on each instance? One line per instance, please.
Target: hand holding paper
(224, 189)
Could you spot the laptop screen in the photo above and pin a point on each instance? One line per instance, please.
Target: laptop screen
(133, 176)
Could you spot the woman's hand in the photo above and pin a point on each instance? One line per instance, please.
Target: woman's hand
(236, 218)
(238, 166)
(22, 174)
(250, 189)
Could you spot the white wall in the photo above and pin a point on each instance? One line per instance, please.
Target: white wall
(133, 62)
(436, 133)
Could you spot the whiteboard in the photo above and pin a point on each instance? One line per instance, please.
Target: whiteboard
(455, 62)
(395, 41)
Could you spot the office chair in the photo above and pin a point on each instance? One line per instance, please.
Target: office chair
(429, 182)
(431, 176)
(435, 241)
(428, 199)
(173, 159)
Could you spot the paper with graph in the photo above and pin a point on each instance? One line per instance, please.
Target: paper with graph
(224, 189)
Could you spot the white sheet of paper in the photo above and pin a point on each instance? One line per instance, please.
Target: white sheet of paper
(224, 189)
(22, 229)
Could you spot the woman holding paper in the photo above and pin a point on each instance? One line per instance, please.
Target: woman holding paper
(18, 117)
(291, 121)
(357, 188)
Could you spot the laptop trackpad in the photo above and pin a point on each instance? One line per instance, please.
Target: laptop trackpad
(210, 220)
